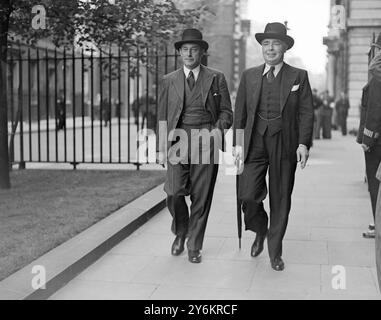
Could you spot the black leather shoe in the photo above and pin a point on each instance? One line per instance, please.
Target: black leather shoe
(194, 256)
(178, 245)
(277, 264)
(257, 246)
(369, 234)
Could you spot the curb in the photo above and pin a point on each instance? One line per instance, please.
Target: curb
(65, 262)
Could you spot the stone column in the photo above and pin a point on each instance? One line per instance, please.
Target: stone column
(333, 50)
(331, 73)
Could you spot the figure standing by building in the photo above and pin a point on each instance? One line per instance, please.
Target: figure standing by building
(106, 111)
(274, 107)
(191, 99)
(378, 228)
(375, 71)
(61, 110)
(146, 107)
(317, 103)
(368, 136)
(327, 112)
(342, 107)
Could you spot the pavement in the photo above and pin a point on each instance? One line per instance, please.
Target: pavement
(325, 255)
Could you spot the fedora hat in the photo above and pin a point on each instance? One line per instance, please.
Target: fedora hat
(191, 36)
(378, 42)
(275, 30)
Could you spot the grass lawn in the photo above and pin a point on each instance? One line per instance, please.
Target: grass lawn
(45, 208)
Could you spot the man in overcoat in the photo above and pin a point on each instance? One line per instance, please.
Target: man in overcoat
(370, 130)
(194, 103)
(274, 107)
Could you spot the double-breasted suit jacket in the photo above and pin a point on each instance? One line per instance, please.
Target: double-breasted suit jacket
(171, 102)
(295, 104)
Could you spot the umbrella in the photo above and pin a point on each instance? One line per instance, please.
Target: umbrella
(239, 213)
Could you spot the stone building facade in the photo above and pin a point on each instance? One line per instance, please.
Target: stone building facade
(351, 31)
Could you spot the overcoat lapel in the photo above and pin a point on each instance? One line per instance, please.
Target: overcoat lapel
(178, 83)
(206, 78)
(289, 76)
(255, 83)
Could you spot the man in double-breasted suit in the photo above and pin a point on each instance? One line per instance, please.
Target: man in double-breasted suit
(194, 103)
(274, 108)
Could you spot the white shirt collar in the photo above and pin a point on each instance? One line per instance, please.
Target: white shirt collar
(196, 72)
(276, 70)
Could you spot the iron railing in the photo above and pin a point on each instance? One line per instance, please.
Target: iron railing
(82, 107)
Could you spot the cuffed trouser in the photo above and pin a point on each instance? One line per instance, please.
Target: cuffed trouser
(372, 160)
(317, 123)
(378, 237)
(327, 123)
(198, 181)
(342, 119)
(266, 154)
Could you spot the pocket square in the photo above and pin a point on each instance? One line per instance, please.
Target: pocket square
(295, 87)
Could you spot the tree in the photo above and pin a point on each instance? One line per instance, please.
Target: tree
(129, 24)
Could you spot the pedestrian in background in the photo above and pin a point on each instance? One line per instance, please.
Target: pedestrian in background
(317, 104)
(342, 107)
(61, 110)
(327, 112)
(106, 111)
(146, 108)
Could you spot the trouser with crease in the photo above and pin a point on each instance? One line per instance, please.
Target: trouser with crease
(372, 160)
(196, 180)
(378, 237)
(265, 154)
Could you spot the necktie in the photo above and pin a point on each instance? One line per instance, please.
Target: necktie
(270, 74)
(191, 80)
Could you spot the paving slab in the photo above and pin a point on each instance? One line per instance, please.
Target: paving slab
(357, 254)
(359, 281)
(104, 290)
(298, 278)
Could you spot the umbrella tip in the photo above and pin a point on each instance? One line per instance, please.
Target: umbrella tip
(239, 244)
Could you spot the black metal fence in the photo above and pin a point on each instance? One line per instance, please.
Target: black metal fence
(83, 106)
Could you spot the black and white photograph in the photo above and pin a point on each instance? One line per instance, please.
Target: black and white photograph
(190, 155)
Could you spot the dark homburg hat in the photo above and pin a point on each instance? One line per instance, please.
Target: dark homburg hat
(378, 42)
(191, 36)
(275, 30)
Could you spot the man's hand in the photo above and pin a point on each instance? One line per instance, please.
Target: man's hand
(302, 155)
(365, 147)
(238, 156)
(160, 158)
